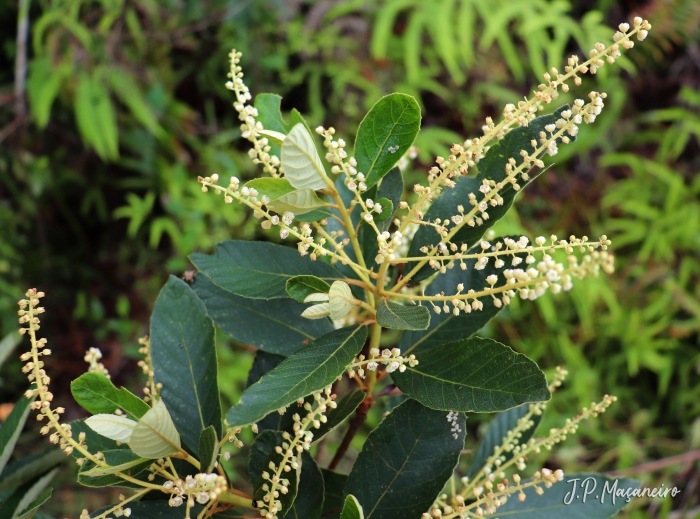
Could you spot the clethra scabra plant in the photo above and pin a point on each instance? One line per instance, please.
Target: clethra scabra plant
(366, 260)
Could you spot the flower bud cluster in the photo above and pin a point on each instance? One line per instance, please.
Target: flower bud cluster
(260, 153)
(93, 357)
(202, 488)
(391, 358)
(151, 390)
(388, 245)
(292, 447)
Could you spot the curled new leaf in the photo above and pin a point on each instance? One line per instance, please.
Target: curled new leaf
(155, 435)
(300, 160)
(341, 300)
(317, 311)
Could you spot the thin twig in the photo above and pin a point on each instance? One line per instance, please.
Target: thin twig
(657, 464)
(21, 57)
(355, 424)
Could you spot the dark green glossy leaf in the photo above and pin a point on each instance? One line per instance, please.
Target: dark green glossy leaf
(346, 406)
(208, 449)
(184, 360)
(11, 429)
(598, 504)
(309, 501)
(505, 421)
(30, 467)
(30, 509)
(387, 210)
(96, 394)
(132, 463)
(446, 327)
(334, 485)
(262, 453)
(308, 370)
(478, 375)
(269, 114)
(385, 134)
(263, 363)
(275, 326)
(405, 462)
(402, 317)
(491, 167)
(352, 509)
(258, 270)
(390, 188)
(300, 287)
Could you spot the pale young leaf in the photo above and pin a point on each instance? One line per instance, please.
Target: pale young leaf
(273, 136)
(317, 311)
(299, 201)
(154, 435)
(314, 298)
(352, 509)
(341, 300)
(117, 428)
(302, 165)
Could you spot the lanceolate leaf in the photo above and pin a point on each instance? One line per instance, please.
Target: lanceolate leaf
(352, 509)
(208, 449)
(30, 467)
(30, 508)
(491, 167)
(505, 421)
(264, 363)
(308, 370)
(385, 134)
(11, 429)
(405, 462)
(479, 375)
(23, 498)
(302, 165)
(275, 326)
(117, 428)
(309, 501)
(346, 406)
(402, 317)
(96, 394)
(261, 454)
(155, 435)
(300, 287)
(258, 270)
(446, 327)
(184, 360)
(558, 501)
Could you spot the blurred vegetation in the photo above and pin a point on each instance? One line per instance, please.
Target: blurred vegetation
(124, 105)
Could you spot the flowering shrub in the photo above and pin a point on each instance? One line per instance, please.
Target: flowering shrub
(365, 261)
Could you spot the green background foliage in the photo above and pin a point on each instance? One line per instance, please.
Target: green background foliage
(124, 105)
